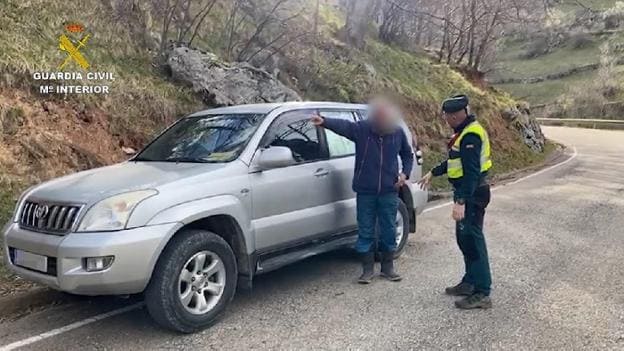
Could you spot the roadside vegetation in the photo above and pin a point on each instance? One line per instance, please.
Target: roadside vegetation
(569, 63)
(324, 50)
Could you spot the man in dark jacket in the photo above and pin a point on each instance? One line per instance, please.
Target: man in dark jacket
(378, 143)
(467, 168)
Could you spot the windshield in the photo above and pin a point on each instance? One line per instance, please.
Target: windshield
(209, 138)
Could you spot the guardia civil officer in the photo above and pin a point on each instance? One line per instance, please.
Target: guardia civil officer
(467, 168)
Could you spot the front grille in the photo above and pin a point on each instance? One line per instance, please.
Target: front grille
(48, 217)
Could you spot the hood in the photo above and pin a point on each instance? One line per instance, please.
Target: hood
(99, 183)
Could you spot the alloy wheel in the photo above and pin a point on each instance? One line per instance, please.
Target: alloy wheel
(201, 282)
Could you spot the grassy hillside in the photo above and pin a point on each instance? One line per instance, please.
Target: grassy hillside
(47, 136)
(581, 37)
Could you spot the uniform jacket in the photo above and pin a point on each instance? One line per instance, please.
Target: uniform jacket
(470, 154)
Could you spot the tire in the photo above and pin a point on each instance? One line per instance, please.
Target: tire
(402, 210)
(172, 280)
(406, 225)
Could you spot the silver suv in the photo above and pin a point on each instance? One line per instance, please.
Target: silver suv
(219, 197)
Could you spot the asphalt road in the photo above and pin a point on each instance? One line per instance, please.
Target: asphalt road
(556, 246)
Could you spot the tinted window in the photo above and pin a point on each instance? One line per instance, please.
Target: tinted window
(294, 131)
(339, 145)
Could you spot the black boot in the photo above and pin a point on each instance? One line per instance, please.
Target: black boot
(387, 267)
(461, 289)
(368, 267)
(476, 300)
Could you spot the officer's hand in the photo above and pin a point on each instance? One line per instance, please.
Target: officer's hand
(425, 181)
(401, 181)
(317, 120)
(459, 212)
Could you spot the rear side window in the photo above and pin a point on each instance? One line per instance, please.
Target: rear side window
(294, 131)
(338, 145)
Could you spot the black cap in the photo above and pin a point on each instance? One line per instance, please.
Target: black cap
(455, 103)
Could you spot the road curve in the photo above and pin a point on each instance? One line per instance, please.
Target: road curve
(556, 246)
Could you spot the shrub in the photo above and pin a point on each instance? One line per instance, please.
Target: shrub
(538, 46)
(614, 16)
(580, 40)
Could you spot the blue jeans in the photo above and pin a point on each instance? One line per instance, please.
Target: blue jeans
(375, 210)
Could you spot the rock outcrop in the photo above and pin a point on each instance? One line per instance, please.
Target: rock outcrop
(225, 84)
(530, 131)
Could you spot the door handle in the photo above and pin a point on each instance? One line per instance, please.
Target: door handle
(321, 172)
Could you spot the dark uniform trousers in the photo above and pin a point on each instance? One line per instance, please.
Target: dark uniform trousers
(471, 241)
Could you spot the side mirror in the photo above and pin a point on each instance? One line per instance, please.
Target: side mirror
(275, 157)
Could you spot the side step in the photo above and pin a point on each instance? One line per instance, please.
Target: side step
(315, 248)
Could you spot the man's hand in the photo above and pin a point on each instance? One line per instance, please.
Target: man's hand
(401, 181)
(317, 120)
(459, 212)
(425, 181)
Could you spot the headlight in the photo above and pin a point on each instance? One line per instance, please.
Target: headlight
(113, 213)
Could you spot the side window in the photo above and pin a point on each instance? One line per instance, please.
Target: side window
(338, 145)
(294, 131)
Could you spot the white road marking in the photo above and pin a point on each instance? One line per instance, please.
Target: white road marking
(138, 305)
(69, 327)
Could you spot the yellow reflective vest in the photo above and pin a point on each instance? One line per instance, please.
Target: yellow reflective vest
(454, 166)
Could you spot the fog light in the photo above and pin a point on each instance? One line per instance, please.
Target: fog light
(96, 264)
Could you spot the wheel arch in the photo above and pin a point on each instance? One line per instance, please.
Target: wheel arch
(227, 227)
(223, 215)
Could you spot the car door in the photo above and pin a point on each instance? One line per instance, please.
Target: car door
(290, 205)
(341, 154)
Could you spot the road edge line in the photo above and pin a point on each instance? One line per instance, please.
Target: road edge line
(572, 157)
(69, 327)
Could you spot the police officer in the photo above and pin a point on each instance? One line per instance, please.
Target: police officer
(466, 168)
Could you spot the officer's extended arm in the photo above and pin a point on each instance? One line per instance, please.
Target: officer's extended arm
(440, 169)
(470, 153)
(342, 127)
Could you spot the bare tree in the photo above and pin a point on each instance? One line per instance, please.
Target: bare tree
(358, 17)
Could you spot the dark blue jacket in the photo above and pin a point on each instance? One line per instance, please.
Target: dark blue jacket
(376, 155)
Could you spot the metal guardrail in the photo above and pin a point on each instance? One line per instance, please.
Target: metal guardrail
(580, 120)
(583, 122)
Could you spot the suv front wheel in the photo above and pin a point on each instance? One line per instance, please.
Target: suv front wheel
(193, 281)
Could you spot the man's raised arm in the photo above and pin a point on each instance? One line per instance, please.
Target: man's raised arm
(339, 126)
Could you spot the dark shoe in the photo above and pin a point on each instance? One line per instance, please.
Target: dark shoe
(476, 300)
(387, 267)
(368, 268)
(461, 289)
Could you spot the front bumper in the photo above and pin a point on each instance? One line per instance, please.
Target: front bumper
(136, 251)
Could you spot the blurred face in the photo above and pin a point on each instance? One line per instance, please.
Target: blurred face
(385, 114)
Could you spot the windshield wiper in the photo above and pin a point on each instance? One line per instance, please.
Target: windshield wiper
(187, 159)
(141, 159)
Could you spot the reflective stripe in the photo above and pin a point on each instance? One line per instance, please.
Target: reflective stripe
(454, 166)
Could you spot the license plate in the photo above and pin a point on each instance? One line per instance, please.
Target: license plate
(31, 260)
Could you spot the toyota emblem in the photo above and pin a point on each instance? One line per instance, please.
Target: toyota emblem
(41, 211)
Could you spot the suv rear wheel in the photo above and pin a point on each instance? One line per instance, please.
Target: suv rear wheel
(402, 229)
(193, 281)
